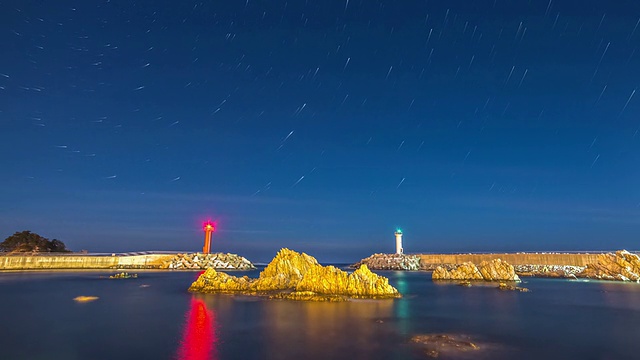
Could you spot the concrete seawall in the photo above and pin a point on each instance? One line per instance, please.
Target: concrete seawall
(44, 262)
(511, 258)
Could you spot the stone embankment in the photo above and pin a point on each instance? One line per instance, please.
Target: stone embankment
(551, 271)
(81, 261)
(199, 261)
(494, 270)
(390, 262)
(298, 276)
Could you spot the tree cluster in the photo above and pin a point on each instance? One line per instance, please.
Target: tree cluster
(27, 241)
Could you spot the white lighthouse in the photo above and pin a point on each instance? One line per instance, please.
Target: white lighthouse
(399, 249)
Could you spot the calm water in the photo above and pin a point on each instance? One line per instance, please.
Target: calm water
(558, 320)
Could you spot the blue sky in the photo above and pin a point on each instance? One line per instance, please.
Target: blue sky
(321, 126)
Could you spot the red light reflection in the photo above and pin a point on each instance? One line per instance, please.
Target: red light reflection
(199, 338)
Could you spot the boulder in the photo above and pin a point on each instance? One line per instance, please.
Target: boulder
(298, 276)
(621, 266)
(498, 270)
(494, 270)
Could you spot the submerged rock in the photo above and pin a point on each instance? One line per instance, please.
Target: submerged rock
(390, 262)
(123, 275)
(511, 287)
(298, 276)
(434, 345)
(621, 266)
(494, 270)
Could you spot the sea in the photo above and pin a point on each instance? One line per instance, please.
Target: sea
(155, 317)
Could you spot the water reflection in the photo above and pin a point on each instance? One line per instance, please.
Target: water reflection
(199, 338)
(349, 330)
(402, 305)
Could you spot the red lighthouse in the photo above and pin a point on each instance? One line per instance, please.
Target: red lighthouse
(208, 230)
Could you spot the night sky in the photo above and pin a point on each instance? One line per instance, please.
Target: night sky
(321, 125)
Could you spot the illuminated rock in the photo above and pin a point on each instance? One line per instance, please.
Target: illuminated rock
(285, 271)
(83, 298)
(494, 270)
(465, 271)
(621, 266)
(298, 276)
(214, 281)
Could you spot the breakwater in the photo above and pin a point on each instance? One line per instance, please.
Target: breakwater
(431, 261)
(72, 261)
(124, 261)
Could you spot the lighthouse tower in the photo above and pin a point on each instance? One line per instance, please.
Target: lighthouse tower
(399, 249)
(208, 229)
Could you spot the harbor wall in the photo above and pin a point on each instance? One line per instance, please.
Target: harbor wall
(44, 262)
(512, 258)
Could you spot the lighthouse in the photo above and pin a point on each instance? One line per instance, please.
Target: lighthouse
(208, 229)
(399, 249)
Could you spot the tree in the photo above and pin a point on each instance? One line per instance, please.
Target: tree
(27, 241)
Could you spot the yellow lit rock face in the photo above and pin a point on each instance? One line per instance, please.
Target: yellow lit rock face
(497, 270)
(214, 281)
(298, 276)
(494, 270)
(285, 271)
(465, 271)
(622, 266)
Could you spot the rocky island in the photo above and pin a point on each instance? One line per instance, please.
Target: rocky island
(298, 276)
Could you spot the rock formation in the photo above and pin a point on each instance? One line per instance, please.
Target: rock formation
(298, 276)
(494, 270)
(199, 261)
(465, 271)
(390, 262)
(621, 266)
